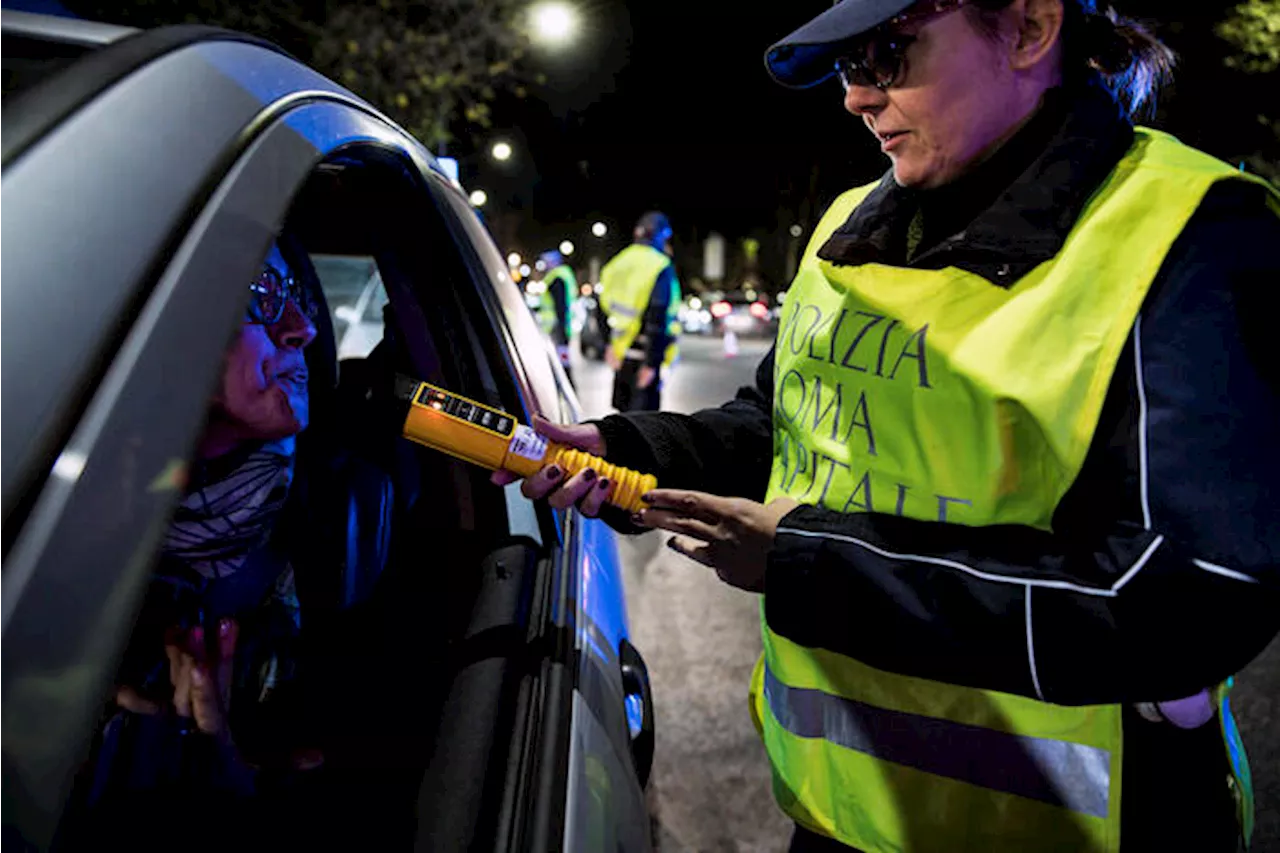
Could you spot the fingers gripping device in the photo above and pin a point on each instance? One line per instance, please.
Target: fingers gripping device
(492, 438)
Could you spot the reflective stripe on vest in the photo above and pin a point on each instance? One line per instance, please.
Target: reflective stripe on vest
(1061, 773)
(938, 395)
(626, 283)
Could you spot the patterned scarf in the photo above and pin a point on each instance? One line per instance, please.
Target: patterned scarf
(225, 519)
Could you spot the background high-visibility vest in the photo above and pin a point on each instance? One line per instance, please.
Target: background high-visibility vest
(672, 353)
(547, 305)
(626, 283)
(911, 385)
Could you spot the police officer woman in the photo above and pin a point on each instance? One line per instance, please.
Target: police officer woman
(1007, 479)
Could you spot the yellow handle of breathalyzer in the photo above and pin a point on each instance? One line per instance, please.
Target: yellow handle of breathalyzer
(492, 438)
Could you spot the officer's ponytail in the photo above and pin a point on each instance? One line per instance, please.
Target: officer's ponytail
(1101, 45)
(1132, 63)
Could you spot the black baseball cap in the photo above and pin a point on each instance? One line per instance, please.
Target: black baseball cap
(807, 56)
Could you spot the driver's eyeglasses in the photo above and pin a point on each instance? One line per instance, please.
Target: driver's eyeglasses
(879, 58)
(271, 291)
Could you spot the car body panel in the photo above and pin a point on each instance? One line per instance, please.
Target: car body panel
(63, 30)
(50, 318)
(599, 816)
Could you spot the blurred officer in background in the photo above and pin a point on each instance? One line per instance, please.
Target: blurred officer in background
(639, 292)
(555, 304)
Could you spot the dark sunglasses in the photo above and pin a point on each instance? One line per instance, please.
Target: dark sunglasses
(271, 291)
(879, 58)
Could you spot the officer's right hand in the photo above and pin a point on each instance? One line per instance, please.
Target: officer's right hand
(585, 489)
(611, 359)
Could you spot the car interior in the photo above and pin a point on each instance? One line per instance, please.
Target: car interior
(420, 610)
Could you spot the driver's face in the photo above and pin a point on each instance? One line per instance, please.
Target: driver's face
(263, 392)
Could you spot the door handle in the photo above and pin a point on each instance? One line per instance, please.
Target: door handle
(635, 682)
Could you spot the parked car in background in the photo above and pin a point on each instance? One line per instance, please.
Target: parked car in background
(593, 333)
(744, 314)
(695, 316)
(145, 175)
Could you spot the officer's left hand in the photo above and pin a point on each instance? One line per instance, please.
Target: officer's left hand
(731, 535)
(646, 376)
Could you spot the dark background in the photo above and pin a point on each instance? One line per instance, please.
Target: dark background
(667, 104)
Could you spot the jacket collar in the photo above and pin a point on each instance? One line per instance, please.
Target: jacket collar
(1028, 222)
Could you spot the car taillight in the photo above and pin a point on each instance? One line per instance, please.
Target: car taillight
(759, 310)
(721, 309)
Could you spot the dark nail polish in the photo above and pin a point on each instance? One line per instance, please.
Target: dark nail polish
(589, 475)
(636, 518)
(604, 484)
(554, 472)
(647, 497)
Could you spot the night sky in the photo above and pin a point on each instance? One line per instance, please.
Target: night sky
(667, 104)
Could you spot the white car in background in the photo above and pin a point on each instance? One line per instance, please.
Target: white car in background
(358, 295)
(695, 317)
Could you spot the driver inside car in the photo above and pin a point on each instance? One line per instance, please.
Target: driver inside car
(201, 712)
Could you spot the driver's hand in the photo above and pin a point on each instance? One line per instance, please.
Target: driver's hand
(586, 489)
(201, 687)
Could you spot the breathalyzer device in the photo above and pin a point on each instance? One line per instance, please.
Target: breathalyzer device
(493, 439)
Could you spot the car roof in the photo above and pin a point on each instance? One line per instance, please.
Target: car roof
(58, 29)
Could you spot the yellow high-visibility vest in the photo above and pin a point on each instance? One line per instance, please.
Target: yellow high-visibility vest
(547, 304)
(937, 395)
(626, 283)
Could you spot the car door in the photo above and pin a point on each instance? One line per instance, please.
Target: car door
(601, 680)
(88, 492)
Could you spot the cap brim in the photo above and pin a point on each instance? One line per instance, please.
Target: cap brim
(807, 56)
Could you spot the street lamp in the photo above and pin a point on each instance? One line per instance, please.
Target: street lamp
(796, 230)
(554, 23)
(513, 260)
(524, 270)
(501, 151)
(599, 229)
(566, 248)
(479, 197)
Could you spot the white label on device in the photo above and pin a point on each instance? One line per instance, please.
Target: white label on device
(528, 443)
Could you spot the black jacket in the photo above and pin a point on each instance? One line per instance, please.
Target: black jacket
(1173, 513)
